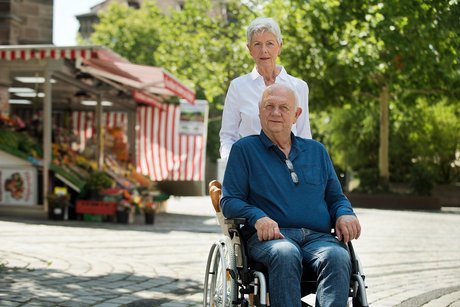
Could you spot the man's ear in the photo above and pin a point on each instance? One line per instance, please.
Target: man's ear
(297, 113)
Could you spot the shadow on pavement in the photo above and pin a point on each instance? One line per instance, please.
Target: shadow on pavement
(164, 223)
(50, 287)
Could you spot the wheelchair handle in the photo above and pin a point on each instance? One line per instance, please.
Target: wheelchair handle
(215, 191)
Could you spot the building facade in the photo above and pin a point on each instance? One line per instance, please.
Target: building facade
(87, 20)
(24, 22)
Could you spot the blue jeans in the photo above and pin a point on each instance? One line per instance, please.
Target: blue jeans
(326, 255)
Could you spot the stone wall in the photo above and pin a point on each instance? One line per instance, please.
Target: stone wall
(25, 22)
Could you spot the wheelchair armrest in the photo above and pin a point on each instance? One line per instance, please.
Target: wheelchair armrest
(238, 221)
(355, 263)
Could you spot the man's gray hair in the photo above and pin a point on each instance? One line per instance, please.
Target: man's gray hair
(263, 24)
(272, 87)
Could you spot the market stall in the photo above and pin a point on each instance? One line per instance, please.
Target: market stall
(90, 109)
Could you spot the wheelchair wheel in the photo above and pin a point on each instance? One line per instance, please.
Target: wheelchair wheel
(220, 289)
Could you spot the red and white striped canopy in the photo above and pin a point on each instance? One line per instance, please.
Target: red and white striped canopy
(147, 79)
(163, 153)
(102, 62)
(40, 52)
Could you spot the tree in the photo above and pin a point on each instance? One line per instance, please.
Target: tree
(358, 51)
(205, 47)
(134, 34)
(425, 141)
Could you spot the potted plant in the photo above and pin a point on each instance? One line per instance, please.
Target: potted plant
(149, 209)
(124, 208)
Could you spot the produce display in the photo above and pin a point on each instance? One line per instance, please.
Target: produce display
(80, 168)
(19, 144)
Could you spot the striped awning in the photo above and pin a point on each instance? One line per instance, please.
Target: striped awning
(40, 52)
(141, 78)
(145, 82)
(163, 152)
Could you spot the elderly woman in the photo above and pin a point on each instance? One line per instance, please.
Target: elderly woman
(241, 113)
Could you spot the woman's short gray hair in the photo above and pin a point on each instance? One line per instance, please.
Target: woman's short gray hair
(262, 24)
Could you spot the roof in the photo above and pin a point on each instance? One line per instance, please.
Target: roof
(31, 52)
(105, 64)
(150, 79)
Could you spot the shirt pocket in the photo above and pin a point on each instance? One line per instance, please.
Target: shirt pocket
(313, 175)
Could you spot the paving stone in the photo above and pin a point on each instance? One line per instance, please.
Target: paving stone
(407, 256)
(6, 303)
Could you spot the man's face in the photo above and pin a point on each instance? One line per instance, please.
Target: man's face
(278, 112)
(264, 48)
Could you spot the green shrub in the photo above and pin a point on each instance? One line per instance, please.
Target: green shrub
(368, 180)
(421, 180)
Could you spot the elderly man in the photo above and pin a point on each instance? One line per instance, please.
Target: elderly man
(287, 189)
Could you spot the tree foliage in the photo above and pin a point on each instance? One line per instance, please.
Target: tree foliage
(347, 50)
(426, 136)
(204, 47)
(134, 34)
(354, 52)
(424, 142)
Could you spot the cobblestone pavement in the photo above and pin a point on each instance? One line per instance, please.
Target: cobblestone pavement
(410, 259)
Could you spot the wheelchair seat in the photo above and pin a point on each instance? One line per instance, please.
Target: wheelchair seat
(232, 279)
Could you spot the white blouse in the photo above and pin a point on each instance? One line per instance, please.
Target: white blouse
(241, 109)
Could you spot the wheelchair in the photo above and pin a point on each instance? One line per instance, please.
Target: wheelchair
(232, 279)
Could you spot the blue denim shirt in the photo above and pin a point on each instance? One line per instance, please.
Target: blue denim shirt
(258, 183)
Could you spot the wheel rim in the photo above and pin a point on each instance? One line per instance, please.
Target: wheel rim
(219, 287)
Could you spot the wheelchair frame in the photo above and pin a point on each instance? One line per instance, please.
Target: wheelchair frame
(230, 280)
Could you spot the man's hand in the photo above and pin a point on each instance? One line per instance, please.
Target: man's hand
(347, 228)
(267, 229)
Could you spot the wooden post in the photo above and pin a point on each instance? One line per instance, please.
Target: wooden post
(47, 136)
(384, 171)
(99, 134)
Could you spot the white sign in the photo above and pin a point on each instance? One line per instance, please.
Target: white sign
(193, 117)
(18, 186)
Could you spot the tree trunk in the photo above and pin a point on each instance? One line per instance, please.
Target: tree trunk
(384, 172)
